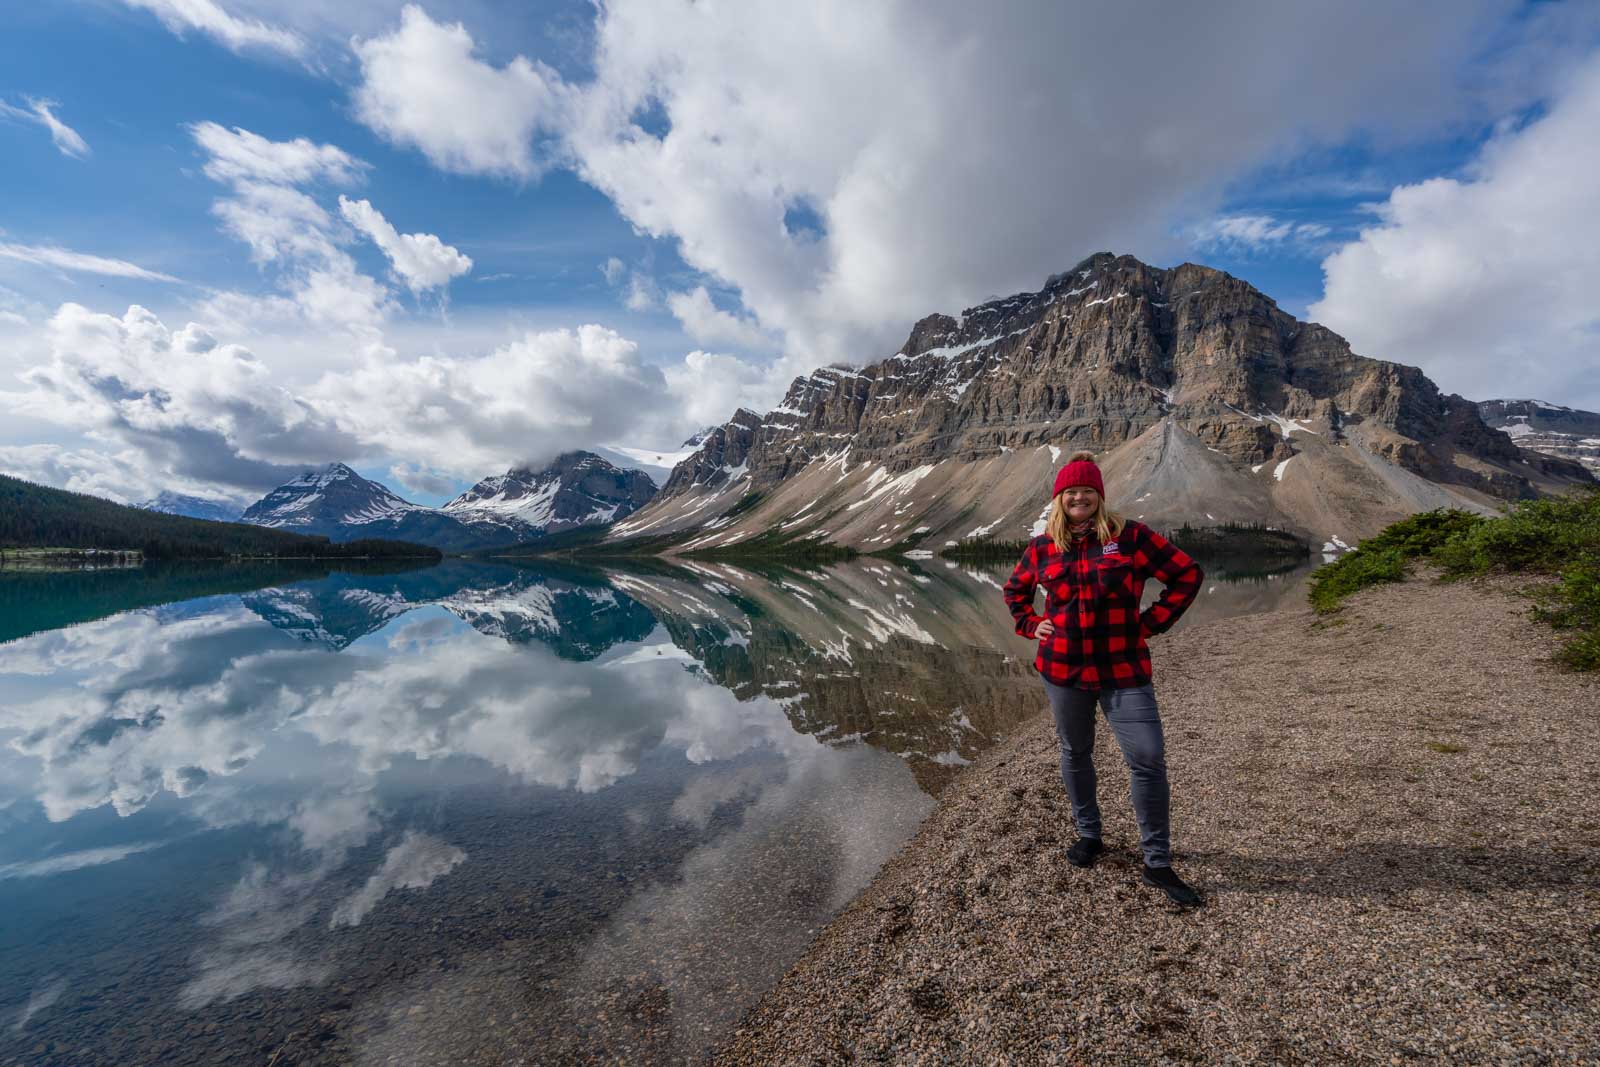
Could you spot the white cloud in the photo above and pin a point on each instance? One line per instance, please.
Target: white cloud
(179, 409)
(210, 18)
(1485, 281)
(66, 259)
(237, 155)
(527, 400)
(613, 270)
(416, 862)
(991, 152)
(421, 260)
(123, 475)
(284, 225)
(420, 479)
(740, 131)
(66, 139)
(643, 294)
(711, 387)
(1250, 233)
(423, 86)
(708, 324)
(277, 222)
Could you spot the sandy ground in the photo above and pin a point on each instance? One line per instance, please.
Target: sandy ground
(1392, 815)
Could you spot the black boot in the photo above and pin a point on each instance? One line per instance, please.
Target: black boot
(1084, 851)
(1166, 879)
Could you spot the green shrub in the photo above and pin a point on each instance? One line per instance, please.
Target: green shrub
(1423, 533)
(1361, 568)
(1575, 605)
(1557, 536)
(1543, 536)
(1383, 558)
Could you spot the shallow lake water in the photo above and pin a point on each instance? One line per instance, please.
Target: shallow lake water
(469, 813)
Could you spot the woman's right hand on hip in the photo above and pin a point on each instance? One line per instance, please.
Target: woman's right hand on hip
(1044, 630)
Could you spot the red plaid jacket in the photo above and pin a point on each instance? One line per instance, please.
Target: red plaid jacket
(1092, 594)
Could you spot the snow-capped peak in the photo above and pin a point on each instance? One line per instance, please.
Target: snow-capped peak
(575, 489)
(334, 493)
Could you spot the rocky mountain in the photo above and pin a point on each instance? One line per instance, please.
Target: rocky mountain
(340, 504)
(193, 507)
(1204, 402)
(1549, 428)
(576, 489)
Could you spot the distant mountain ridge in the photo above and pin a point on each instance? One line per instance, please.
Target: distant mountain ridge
(520, 506)
(1204, 402)
(39, 516)
(1549, 428)
(193, 507)
(575, 489)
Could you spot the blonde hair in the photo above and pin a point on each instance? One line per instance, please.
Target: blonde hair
(1107, 523)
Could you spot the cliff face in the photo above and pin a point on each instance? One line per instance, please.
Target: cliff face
(1552, 429)
(1191, 385)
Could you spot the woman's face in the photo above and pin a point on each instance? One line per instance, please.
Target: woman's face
(1081, 502)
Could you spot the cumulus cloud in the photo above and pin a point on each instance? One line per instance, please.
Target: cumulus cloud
(121, 474)
(421, 260)
(65, 138)
(529, 399)
(209, 18)
(184, 407)
(1485, 281)
(66, 259)
(710, 387)
(992, 153)
(423, 86)
(178, 409)
(613, 270)
(709, 324)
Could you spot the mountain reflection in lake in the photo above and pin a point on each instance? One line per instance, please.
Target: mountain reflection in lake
(469, 813)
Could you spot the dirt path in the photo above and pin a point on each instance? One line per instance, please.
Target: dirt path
(1393, 817)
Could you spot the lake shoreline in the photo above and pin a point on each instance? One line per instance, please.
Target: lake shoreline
(1389, 813)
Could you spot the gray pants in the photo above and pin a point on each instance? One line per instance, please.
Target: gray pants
(1137, 726)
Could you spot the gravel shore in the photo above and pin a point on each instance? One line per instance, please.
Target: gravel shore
(1392, 815)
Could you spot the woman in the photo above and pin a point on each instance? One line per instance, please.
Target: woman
(1093, 565)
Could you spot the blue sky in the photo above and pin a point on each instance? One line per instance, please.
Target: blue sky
(670, 210)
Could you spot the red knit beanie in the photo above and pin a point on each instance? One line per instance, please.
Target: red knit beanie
(1080, 470)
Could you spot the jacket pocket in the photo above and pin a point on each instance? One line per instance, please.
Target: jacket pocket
(1114, 579)
(1056, 580)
